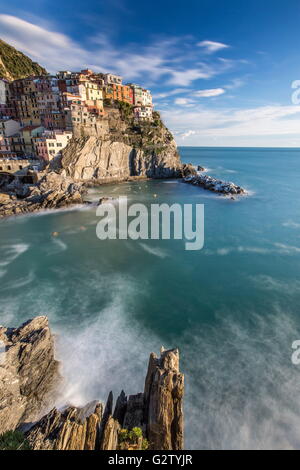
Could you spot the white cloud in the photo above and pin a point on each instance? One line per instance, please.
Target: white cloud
(209, 93)
(264, 125)
(234, 84)
(210, 46)
(165, 61)
(183, 101)
(176, 91)
(187, 134)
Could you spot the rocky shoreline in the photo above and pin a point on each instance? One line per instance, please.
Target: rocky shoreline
(55, 188)
(29, 386)
(51, 191)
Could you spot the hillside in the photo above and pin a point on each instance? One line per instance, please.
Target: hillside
(15, 64)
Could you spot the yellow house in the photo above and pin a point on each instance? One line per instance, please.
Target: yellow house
(93, 91)
(29, 135)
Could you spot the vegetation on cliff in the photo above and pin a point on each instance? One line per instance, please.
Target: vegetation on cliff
(13, 440)
(14, 64)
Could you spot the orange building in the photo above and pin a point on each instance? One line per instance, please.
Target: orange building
(118, 92)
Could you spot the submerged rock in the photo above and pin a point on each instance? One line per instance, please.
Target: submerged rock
(213, 184)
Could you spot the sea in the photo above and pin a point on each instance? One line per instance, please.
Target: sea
(232, 308)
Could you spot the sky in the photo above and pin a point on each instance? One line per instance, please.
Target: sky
(220, 71)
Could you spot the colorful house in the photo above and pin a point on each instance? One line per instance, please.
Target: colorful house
(50, 144)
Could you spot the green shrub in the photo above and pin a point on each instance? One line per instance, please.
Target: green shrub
(145, 444)
(13, 440)
(132, 437)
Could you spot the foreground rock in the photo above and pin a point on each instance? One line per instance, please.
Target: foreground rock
(30, 383)
(51, 191)
(213, 184)
(28, 373)
(157, 412)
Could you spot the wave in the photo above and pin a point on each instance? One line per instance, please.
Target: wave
(242, 388)
(154, 250)
(277, 248)
(291, 224)
(18, 283)
(287, 249)
(270, 283)
(109, 351)
(58, 246)
(12, 252)
(224, 251)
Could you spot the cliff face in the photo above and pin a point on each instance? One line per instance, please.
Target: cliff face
(28, 372)
(121, 148)
(15, 64)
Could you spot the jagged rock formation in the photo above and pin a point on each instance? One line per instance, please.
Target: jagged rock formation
(123, 149)
(164, 388)
(15, 64)
(213, 184)
(157, 412)
(52, 190)
(28, 372)
(71, 429)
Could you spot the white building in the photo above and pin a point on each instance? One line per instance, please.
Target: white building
(50, 144)
(146, 98)
(111, 79)
(143, 113)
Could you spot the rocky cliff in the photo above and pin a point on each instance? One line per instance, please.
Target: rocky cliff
(14, 64)
(29, 381)
(121, 148)
(28, 372)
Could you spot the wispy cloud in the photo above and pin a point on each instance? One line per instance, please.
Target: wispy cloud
(211, 46)
(209, 93)
(176, 91)
(184, 101)
(235, 124)
(171, 61)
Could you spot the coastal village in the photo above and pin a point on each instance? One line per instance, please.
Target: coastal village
(39, 115)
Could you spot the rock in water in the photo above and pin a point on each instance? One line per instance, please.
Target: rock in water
(213, 184)
(28, 373)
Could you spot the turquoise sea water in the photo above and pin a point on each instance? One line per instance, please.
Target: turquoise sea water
(232, 308)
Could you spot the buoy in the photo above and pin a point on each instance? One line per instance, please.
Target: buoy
(54, 234)
(154, 195)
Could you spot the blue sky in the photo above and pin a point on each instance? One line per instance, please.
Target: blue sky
(220, 71)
